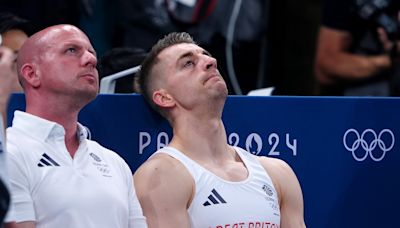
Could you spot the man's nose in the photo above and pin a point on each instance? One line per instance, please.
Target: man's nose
(210, 63)
(89, 58)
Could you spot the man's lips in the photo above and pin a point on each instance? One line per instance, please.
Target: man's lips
(212, 77)
(91, 77)
(88, 74)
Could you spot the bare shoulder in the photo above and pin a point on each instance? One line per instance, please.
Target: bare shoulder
(161, 166)
(157, 162)
(275, 165)
(163, 175)
(165, 189)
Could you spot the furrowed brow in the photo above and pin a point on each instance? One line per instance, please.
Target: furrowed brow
(185, 55)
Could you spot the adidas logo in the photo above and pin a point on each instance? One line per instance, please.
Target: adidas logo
(214, 198)
(46, 160)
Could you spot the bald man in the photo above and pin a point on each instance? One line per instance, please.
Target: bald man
(59, 178)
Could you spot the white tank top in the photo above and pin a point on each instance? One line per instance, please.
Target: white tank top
(219, 203)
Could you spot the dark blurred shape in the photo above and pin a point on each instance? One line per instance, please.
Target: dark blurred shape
(234, 32)
(44, 13)
(9, 21)
(190, 14)
(4, 201)
(378, 13)
(352, 57)
(119, 59)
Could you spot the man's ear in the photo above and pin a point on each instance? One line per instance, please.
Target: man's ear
(30, 75)
(163, 99)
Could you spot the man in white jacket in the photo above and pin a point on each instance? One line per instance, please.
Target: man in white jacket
(59, 178)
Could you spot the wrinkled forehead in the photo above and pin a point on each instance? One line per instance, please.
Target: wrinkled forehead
(170, 55)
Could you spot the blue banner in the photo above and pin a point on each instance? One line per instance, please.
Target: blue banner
(343, 150)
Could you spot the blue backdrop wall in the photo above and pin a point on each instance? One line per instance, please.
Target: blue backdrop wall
(343, 150)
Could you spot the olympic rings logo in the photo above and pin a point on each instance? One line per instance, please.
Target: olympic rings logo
(368, 144)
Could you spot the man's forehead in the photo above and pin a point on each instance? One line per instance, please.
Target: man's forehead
(179, 49)
(67, 38)
(62, 33)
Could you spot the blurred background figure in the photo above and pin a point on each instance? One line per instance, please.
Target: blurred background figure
(356, 55)
(117, 60)
(14, 31)
(233, 31)
(264, 43)
(6, 81)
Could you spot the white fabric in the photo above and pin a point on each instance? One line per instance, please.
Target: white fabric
(92, 190)
(262, 92)
(221, 203)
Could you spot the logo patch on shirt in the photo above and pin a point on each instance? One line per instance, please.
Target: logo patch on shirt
(101, 165)
(95, 157)
(214, 198)
(272, 201)
(268, 190)
(46, 160)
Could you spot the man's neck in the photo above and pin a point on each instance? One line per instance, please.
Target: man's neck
(201, 140)
(206, 144)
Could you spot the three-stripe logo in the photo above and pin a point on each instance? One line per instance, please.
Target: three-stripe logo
(214, 198)
(46, 160)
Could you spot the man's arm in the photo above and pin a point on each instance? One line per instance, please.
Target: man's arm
(164, 188)
(289, 191)
(333, 61)
(390, 46)
(22, 209)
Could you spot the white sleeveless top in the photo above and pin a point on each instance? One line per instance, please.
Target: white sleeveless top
(219, 203)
